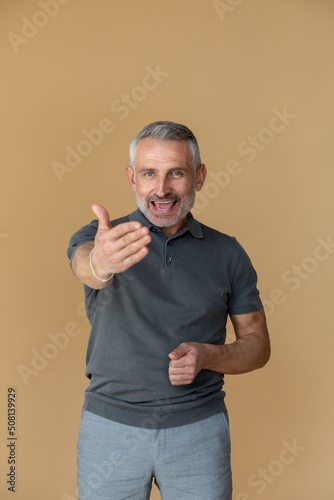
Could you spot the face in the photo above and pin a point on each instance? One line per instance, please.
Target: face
(165, 182)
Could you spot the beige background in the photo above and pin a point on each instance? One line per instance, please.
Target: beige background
(227, 69)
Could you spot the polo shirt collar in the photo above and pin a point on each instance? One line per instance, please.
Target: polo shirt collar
(193, 226)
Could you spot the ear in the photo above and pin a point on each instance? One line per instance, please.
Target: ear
(131, 177)
(200, 177)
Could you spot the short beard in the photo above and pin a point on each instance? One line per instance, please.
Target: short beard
(185, 209)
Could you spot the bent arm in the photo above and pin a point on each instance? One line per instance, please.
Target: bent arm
(250, 351)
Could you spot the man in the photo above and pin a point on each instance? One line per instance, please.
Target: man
(159, 287)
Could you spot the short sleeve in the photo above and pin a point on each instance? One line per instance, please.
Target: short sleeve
(245, 297)
(85, 235)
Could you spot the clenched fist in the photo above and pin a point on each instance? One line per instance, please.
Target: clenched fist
(186, 362)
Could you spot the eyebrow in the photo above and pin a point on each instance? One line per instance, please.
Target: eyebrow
(152, 169)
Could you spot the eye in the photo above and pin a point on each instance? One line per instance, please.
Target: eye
(176, 173)
(148, 174)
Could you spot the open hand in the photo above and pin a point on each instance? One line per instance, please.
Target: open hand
(117, 248)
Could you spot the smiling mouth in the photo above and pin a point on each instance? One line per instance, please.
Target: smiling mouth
(164, 206)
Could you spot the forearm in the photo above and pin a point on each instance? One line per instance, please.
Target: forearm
(82, 269)
(246, 354)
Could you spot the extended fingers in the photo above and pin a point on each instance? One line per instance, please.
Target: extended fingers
(121, 246)
(133, 240)
(131, 248)
(129, 259)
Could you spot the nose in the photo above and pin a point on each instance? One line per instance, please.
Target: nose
(162, 187)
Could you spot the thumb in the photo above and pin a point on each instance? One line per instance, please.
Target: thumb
(103, 216)
(179, 352)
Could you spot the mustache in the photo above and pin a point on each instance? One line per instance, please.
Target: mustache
(172, 197)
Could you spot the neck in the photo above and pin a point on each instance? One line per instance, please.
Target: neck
(171, 230)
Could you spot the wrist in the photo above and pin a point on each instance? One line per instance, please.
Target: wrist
(212, 357)
(104, 279)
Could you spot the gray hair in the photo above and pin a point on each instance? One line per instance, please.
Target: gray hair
(167, 131)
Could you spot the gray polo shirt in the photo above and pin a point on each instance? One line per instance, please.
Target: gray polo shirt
(182, 291)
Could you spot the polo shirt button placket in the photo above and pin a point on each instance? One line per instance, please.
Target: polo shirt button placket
(169, 260)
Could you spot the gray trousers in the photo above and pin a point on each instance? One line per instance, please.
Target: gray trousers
(118, 462)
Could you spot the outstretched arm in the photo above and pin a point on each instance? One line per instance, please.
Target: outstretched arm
(115, 250)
